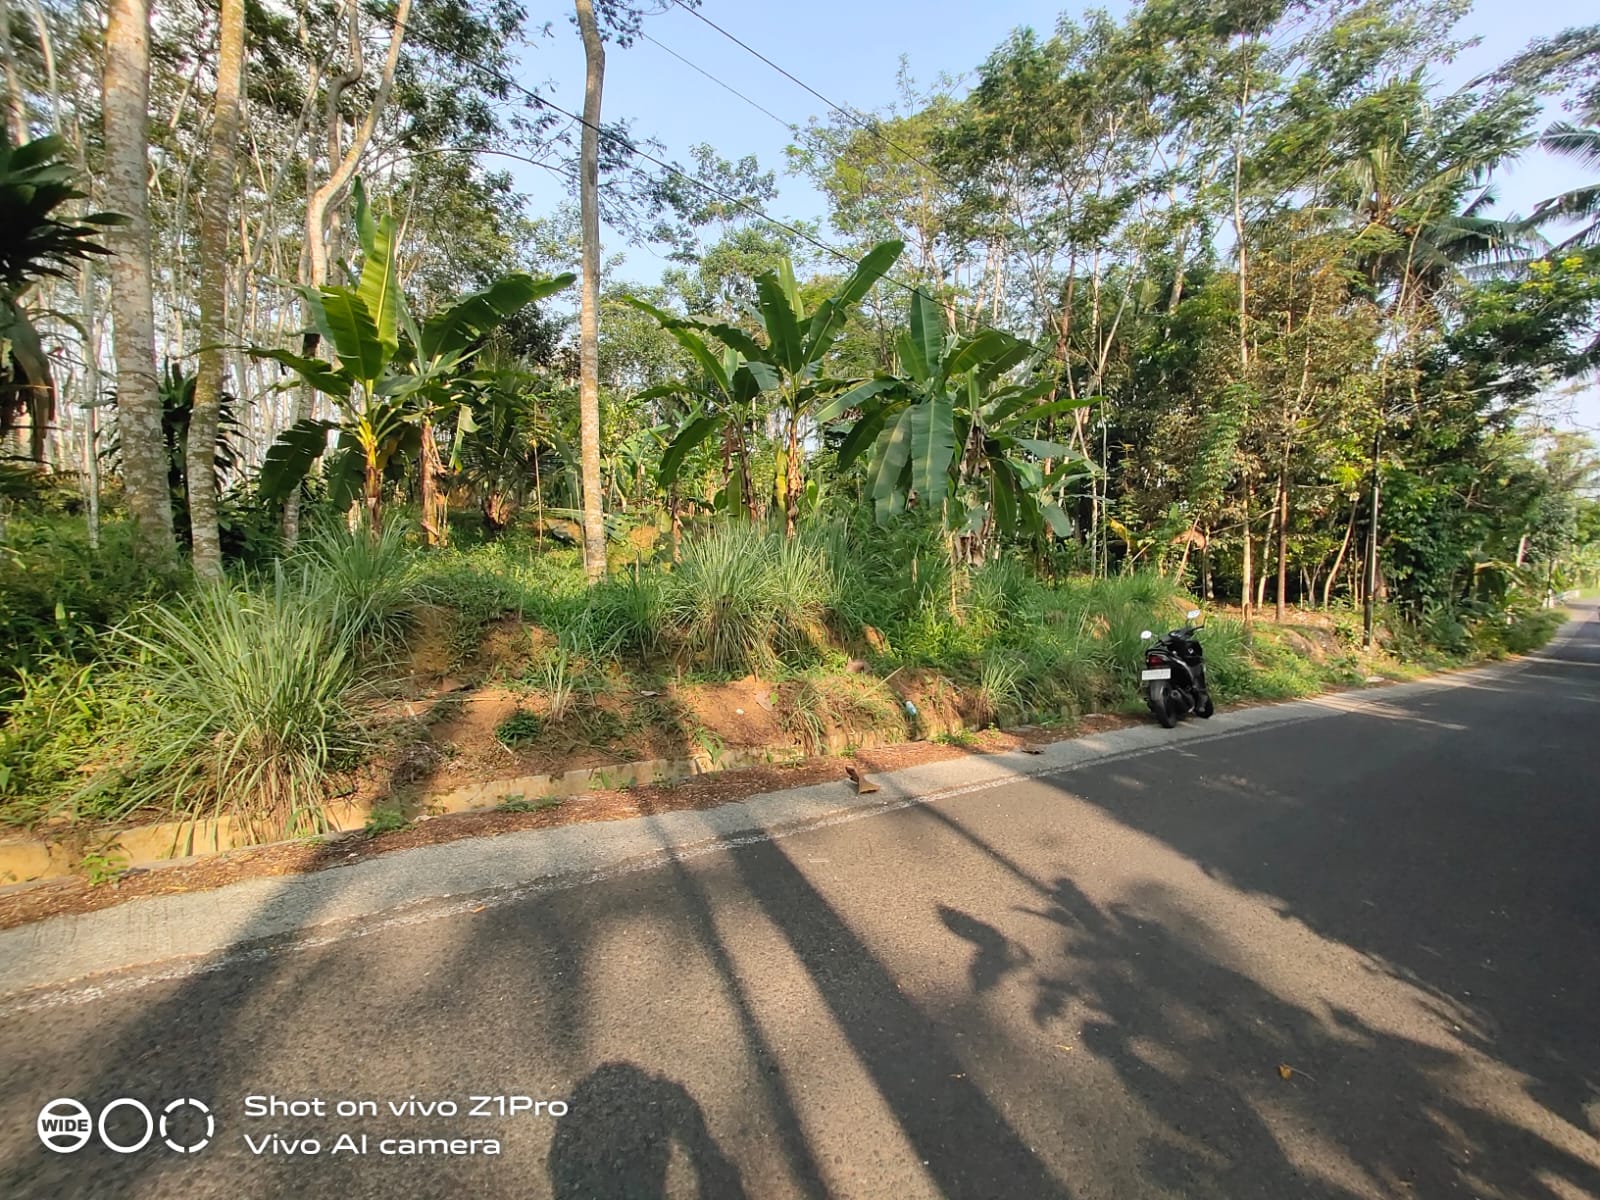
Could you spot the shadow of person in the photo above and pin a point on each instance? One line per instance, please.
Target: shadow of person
(616, 1139)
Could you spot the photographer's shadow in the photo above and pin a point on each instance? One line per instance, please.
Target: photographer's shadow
(616, 1139)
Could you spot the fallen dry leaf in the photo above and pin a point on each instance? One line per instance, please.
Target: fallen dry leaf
(1285, 1071)
(864, 786)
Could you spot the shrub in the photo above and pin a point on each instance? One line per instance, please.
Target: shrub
(741, 599)
(718, 602)
(58, 725)
(238, 701)
(1229, 670)
(518, 729)
(367, 580)
(1532, 629)
(57, 594)
(999, 687)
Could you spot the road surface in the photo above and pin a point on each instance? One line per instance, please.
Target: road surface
(1357, 955)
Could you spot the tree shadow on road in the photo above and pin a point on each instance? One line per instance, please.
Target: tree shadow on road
(1357, 1108)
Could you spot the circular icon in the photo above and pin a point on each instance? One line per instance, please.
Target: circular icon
(149, 1125)
(65, 1125)
(192, 1147)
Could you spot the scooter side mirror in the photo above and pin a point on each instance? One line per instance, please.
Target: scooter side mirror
(1146, 636)
(1194, 616)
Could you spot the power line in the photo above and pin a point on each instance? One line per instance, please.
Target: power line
(872, 126)
(738, 201)
(788, 125)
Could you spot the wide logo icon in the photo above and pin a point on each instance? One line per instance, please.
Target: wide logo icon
(65, 1125)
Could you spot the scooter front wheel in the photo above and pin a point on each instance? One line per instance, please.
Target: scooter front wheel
(1160, 701)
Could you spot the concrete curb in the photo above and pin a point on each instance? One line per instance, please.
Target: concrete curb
(187, 934)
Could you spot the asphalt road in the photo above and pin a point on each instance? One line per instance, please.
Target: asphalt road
(1352, 956)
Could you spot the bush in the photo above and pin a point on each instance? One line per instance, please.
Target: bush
(56, 727)
(57, 595)
(238, 700)
(368, 581)
(741, 598)
(1532, 629)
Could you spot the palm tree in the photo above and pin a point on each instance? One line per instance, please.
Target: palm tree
(1582, 144)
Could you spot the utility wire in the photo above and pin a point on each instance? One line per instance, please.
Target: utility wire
(870, 125)
(788, 125)
(738, 201)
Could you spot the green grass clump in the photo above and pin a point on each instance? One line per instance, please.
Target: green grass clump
(236, 700)
(741, 599)
(56, 727)
(518, 729)
(368, 580)
(58, 595)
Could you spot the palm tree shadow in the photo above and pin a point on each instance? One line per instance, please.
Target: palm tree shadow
(617, 1137)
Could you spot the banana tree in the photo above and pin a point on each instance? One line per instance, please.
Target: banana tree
(391, 376)
(722, 400)
(948, 433)
(787, 367)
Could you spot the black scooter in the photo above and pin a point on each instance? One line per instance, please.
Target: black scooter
(1174, 675)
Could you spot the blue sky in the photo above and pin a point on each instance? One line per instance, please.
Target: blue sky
(851, 52)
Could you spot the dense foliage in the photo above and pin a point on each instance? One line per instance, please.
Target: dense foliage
(1209, 299)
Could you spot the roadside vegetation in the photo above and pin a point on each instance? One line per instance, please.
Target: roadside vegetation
(406, 522)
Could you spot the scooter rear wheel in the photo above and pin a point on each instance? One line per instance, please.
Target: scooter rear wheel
(1160, 701)
(1204, 707)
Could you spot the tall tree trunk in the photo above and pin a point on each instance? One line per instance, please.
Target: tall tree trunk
(1266, 559)
(127, 103)
(1338, 562)
(87, 311)
(201, 450)
(1246, 565)
(594, 530)
(1245, 594)
(15, 118)
(1283, 536)
(1369, 589)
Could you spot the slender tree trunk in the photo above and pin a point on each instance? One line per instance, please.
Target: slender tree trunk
(435, 505)
(201, 451)
(1246, 565)
(1283, 536)
(1369, 590)
(16, 118)
(677, 522)
(87, 311)
(1266, 559)
(127, 103)
(594, 530)
(1344, 549)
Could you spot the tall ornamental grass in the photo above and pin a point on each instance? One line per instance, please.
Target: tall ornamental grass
(241, 700)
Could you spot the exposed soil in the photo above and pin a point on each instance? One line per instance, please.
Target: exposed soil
(33, 902)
